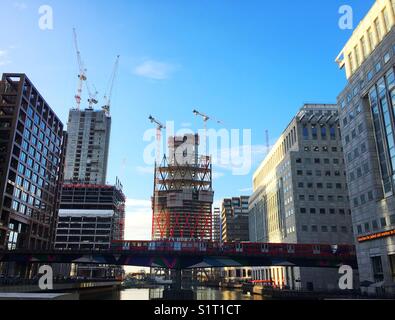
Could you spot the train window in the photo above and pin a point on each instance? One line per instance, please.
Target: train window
(239, 247)
(335, 249)
(291, 249)
(177, 246)
(265, 248)
(316, 249)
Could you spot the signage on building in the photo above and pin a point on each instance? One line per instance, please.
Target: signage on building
(377, 236)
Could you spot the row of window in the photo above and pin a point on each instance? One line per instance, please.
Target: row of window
(320, 185)
(335, 161)
(316, 149)
(358, 130)
(312, 132)
(357, 152)
(329, 198)
(324, 211)
(315, 228)
(374, 225)
(363, 199)
(360, 172)
(319, 173)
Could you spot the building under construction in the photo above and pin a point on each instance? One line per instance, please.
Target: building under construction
(183, 194)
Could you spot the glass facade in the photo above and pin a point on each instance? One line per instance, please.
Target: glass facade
(382, 104)
(33, 177)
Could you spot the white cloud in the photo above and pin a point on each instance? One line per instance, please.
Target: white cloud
(138, 219)
(4, 59)
(20, 5)
(156, 70)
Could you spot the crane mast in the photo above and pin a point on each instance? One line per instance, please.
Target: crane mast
(82, 72)
(108, 95)
(159, 128)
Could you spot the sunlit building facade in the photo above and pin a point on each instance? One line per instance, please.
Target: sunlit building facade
(367, 119)
(300, 195)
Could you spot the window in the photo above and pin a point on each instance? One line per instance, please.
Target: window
(377, 267)
(324, 229)
(303, 210)
(387, 57)
(312, 210)
(314, 228)
(305, 133)
(383, 222)
(305, 228)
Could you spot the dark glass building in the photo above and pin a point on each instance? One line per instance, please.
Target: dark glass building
(32, 151)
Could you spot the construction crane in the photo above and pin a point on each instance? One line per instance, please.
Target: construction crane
(92, 96)
(83, 78)
(206, 118)
(110, 87)
(82, 72)
(159, 128)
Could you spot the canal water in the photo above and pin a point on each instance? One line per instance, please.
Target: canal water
(149, 294)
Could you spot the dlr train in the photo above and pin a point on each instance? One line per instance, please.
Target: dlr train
(229, 248)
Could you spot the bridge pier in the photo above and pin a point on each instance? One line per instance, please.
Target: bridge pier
(176, 291)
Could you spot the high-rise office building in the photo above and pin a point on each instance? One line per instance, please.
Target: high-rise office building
(31, 165)
(300, 195)
(90, 218)
(234, 227)
(367, 119)
(216, 225)
(183, 195)
(88, 146)
(234, 218)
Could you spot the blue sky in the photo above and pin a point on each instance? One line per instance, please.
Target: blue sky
(249, 63)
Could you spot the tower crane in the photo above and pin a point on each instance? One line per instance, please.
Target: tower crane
(82, 76)
(92, 96)
(205, 118)
(159, 128)
(82, 72)
(110, 87)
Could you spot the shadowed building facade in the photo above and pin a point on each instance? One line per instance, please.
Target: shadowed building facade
(32, 150)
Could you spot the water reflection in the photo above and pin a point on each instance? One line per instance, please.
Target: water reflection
(149, 294)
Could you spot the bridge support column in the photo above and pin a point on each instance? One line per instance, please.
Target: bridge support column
(176, 292)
